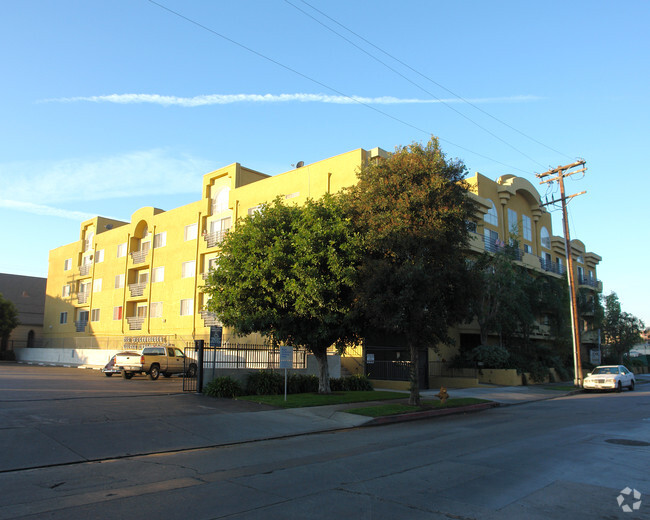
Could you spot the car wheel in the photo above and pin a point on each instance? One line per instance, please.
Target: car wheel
(167, 374)
(108, 374)
(631, 386)
(619, 387)
(127, 375)
(154, 373)
(191, 371)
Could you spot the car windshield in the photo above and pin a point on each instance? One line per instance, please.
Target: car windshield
(605, 370)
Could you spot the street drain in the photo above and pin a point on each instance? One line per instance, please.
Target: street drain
(628, 442)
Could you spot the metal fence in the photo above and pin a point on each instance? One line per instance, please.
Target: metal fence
(442, 369)
(388, 370)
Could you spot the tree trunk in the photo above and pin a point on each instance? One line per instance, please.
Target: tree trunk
(414, 375)
(323, 372)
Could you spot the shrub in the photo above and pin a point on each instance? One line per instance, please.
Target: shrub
(264, 382)
(301, 384)
(492, 356)
(224, 386)
(350, 383)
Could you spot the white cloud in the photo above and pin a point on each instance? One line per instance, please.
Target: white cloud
(225, 99)
(132, 174)
(40, 209)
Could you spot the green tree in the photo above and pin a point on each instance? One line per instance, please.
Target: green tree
(288, 272)
(8, 321)
(621, 330)
(412, 211)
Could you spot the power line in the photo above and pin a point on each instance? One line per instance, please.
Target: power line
(413, 82)
(352, 98)
(428, 79)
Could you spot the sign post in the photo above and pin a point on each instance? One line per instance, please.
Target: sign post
(286, 361)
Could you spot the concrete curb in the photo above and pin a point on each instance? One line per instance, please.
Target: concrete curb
(426, 414)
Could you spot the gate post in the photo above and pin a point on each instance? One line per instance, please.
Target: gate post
(198, 348)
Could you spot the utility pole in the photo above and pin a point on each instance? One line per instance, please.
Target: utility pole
(561, 172)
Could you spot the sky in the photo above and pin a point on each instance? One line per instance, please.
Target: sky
(108, 107)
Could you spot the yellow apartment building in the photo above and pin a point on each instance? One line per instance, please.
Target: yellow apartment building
(127, 284)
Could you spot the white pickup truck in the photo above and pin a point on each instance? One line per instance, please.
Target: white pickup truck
(155, 361)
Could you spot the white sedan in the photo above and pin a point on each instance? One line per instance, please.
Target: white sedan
(609, 377)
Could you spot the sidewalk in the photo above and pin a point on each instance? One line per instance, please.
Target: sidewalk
(54, 444)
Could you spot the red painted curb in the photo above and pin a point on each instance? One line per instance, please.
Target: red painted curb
(425, 414)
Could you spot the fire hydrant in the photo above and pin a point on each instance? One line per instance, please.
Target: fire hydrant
(443, 395)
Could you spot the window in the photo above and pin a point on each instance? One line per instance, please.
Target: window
(119, 281)
(220, 225)
(191, 232)
(491, 240)
(63, 318)
(88, 242)
(158, 274)
(528, 249)
(143, 276)
(545, 238)
(67, 264)
(121, 250)
(94, 314)
(141, 310)
(160, 239)
(99, 256)
(219, 202)
(155, 310)
(83, 316)
(580, 260)
(512, 222)
(97, 285)
(188, 269)
(491, 216)
(255, 209)
(528, 229)
(87, 260)
(117, 313)
(66, 291)
(292, 195)
(187, 307)
(84, 287)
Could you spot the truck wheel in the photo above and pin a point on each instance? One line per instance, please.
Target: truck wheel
(127, 375)
(108, 374)
(154, 372)
(191, 371)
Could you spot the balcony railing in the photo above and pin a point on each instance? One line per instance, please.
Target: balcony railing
(137, 289)
(496, 245)
(139, 257)
(82, 297)
(552, 267)
(135, 322)
(209, 318)
(80, 325)
(586, 280)
(84, 269)
(215, 238)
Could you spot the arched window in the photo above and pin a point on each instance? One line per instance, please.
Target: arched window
(491, 216)
(545, 238)
(219, 202)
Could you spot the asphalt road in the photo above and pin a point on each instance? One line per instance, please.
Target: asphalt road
(564, 458)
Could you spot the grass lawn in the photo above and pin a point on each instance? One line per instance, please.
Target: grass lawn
(302, 400)
(397, 408)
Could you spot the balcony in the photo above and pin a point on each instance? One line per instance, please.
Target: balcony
(215, 238)
(137, 289)
(82, 297)
(552, 267)
(139, 257)
(135, 322)
(209, 318)
(588, 281)
(84, 269)
(80, 326)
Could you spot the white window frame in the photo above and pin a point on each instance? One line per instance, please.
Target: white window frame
(160, 239)
(97, 285)
(158, 274)
(220, 199)
(67, 264)
(65, 292)
(156, 310)
(118, 313)
(94, 314)
(99, 256)
(191, 232)
(121, 250)
(187, 307)
(188, 269)
(119, 281)
(63, 318)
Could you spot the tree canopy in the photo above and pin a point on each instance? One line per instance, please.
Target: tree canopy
(8, 320)
(288, 272)
(621, 330)
(412, 211)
